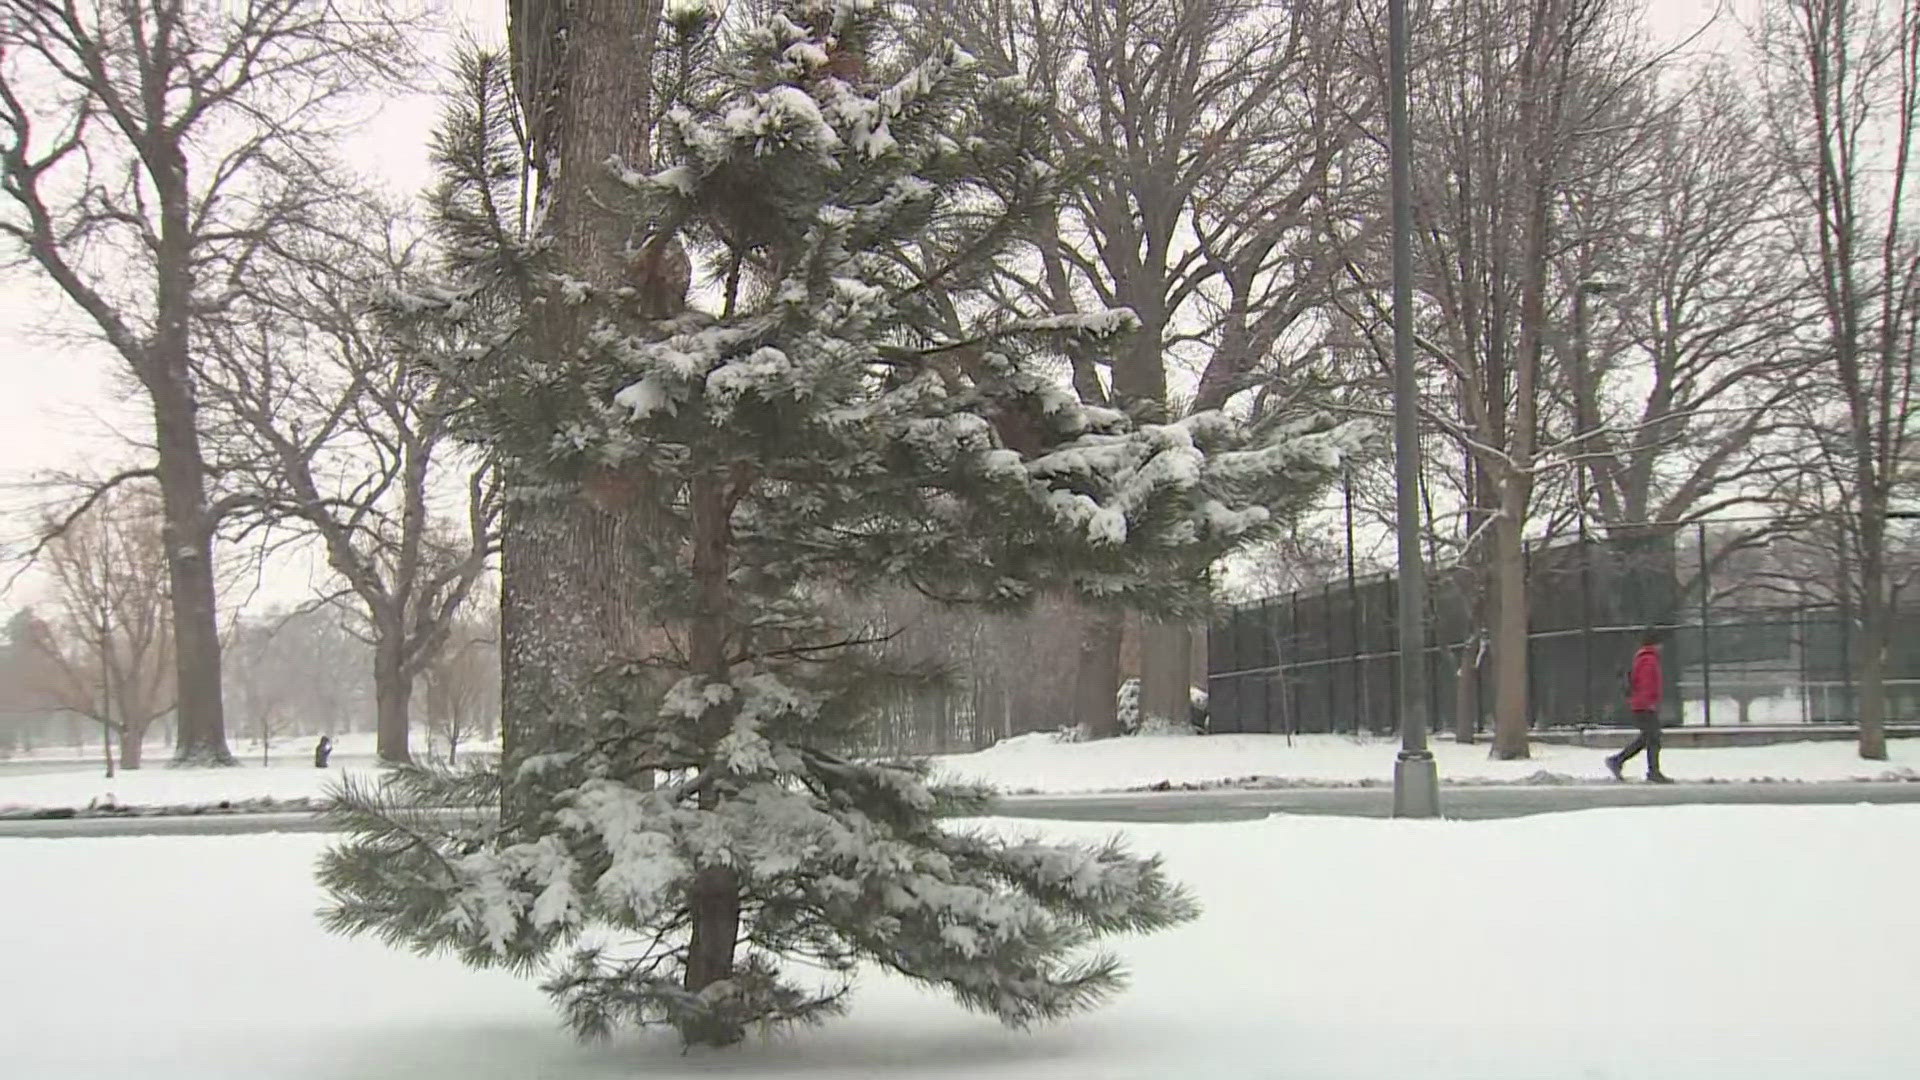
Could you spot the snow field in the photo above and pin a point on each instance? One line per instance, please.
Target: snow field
(1689, 943)
(1041, 763)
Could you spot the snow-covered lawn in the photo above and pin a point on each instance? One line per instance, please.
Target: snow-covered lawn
(39, 781)
(1041, 763)
(158, 785)
(281, 749)
(1691, 943)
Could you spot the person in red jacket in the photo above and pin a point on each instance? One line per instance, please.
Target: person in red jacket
(1646, 683)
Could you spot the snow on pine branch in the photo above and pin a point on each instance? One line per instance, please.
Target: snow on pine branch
(1096, 324)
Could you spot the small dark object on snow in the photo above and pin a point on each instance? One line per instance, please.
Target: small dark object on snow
(321, 751)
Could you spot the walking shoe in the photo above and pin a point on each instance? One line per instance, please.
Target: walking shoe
(1659, 778)
(1613, 766)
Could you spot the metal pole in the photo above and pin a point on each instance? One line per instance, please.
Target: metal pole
(106, 698)
(1846, 630)
(1326, 670)
(1533, 662)
(1353, 607)
(1706, 635)
(1580, 489)
(1416, 779)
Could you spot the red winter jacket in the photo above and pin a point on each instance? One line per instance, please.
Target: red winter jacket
(1645, 683)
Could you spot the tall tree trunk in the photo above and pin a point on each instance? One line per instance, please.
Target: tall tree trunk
(131, 737)
(567, 564)
(1509, 640)
(392, 699)
(715, 901)
(1166, 661)
(1466, 693)
(1876, 619)
(187, 535)
(1096, 682)
(186, 520)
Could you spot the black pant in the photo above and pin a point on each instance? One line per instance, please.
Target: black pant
(1648, 740)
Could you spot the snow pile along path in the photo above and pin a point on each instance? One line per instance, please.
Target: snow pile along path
(1685, 943)
(1042, 763)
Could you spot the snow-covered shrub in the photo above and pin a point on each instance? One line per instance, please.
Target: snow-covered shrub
(1126, 704)
(852, 406)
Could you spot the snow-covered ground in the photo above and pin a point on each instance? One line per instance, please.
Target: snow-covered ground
(1041, 763)
(158, 785)
(1691, 943)
(280, 750)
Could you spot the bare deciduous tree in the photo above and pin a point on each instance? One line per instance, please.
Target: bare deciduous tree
(337, 420)
(1220, 130)
(1672, 400)
(461, 687)
(1843, 85)
(150, 152)
(1513, 91)
(111, 655)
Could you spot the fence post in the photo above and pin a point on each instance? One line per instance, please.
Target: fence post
(1706, 633)
(1296, 700)
(1533, 690)
(1845, 586)
(1326, 606)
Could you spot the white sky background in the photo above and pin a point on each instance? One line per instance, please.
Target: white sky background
(65, 404)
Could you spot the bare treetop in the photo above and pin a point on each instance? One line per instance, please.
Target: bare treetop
(238, 103)
(151, 156)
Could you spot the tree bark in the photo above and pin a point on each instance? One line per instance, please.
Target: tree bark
(715, 901)
(186, 521)
(131, 737)
(1166, 661)
(1510, 641)
(1096, 681)
(1876, 619)
(1466, 693)
(392, 697)
(187, 534)
(567, 564)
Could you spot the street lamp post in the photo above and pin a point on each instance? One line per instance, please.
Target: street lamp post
(1416, 779)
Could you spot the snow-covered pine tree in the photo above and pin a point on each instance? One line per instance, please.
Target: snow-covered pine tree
(843, 401)
(1126, 707)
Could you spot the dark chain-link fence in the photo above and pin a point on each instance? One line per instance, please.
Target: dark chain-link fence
(1755, 626)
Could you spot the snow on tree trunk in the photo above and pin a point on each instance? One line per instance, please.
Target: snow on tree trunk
(1510, 718)
(188, 538)
(570, 559)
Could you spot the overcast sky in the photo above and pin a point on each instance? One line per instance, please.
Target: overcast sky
(66, 404)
